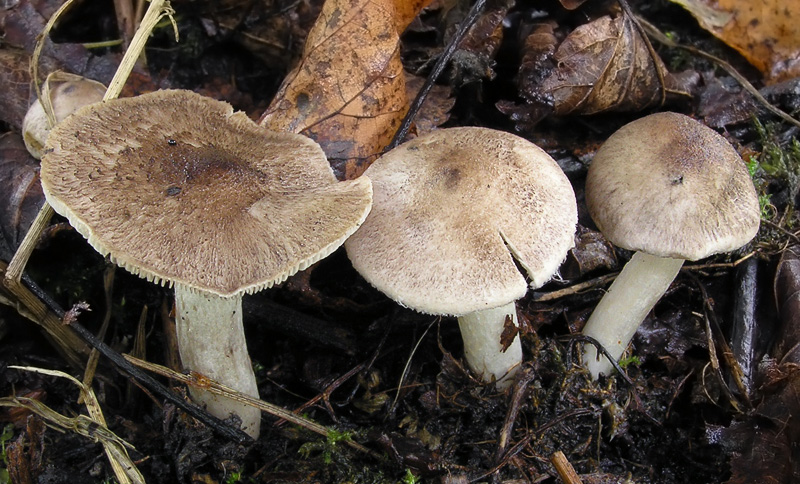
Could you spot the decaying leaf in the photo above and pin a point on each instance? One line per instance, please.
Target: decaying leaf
(15, 77)
(436, 109)
(21, 195)
(766, 33)
(787, 298)
(22, 24)
(604, 65)
(348, 92)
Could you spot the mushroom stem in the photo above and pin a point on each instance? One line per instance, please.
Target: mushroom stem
(211, 342)
(482, 332)
(642, 282)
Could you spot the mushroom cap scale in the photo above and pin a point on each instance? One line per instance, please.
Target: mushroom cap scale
(179, 188)
(452, 210)
(669, 186)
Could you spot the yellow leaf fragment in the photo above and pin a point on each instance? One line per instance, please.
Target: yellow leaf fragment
(765, 32)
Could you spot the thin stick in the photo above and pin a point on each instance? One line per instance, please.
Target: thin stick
(211, 386)
(660, 37)
(438, 67)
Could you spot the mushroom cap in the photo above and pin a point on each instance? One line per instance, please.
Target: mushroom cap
(452, 210)
(179, 188)
(68, 94)
(670, 186)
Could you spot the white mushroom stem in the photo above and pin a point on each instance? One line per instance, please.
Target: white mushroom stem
(482, 332)
(211, 342)
(642, 282)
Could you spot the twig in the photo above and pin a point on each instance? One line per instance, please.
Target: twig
(573, 289)
(660, 37)
(197, 380)
(438, 67)
(521, 382)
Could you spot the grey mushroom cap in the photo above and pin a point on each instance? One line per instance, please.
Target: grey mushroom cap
(453, 210)
(178, 188)
(670, 186)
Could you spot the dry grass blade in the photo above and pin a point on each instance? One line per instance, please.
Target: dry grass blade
(93, 426)
(211, 386)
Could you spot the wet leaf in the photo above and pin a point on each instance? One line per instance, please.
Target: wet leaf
(763, 447)
(591, 252)
(348, 92)
(14, 75)
(436, 109)
(21, 195)
(787, 297)
(764, 32)
(510, 331)
(604, 65)
(21, 27)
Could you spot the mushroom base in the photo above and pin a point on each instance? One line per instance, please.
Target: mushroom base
(642, 282)
(482, 332)
(211, 342)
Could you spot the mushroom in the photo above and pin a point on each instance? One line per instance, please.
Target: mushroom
(66, 93)
(452, 212)
(180, 189)
(671, 189)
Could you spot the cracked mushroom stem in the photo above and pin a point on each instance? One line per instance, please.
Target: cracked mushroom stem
(671, 189)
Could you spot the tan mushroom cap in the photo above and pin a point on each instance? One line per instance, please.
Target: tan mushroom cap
(670, 186)
(451, 208)
(179, 188)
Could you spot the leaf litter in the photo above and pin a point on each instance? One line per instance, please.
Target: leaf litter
(442, 425)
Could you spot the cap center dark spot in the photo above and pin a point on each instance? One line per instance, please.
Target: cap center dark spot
(451, 177)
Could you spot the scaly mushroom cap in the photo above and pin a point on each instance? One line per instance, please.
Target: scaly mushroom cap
(670, 186)
(450, 210)
(176, 187)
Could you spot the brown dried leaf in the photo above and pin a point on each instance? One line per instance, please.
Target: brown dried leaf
(509, 334)
(764, 32)
(787, 299)
(15, 76)
(764, 447)
(21, 25)
(348, 92)
(604, 65)
(20, 191)
(436, 109)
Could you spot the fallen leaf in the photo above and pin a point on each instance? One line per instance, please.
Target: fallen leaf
(14, 75)
(435, 111)
(22, 194)
(21, 25)
(509, 334)
(766, 32)
(604, 65)
(787, 299)
(348, 91)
